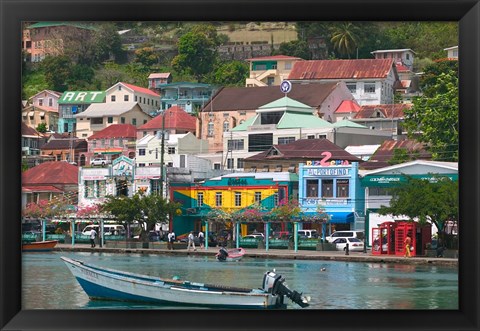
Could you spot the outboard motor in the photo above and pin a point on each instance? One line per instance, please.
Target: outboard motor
(273, 283)
(222, 254)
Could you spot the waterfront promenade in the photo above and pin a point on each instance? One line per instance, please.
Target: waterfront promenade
(272, 253)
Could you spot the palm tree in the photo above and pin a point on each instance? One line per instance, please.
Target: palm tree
(345, 38)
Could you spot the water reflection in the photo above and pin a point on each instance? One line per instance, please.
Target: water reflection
(47, 283)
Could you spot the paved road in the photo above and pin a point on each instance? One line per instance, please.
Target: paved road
(272, 253)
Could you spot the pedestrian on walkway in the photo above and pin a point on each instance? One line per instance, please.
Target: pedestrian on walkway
(201, 239)
(407, 243)
(93, 235)
(170, 239)
(191, 243)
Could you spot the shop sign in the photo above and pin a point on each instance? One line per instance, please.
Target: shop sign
(236, 182)
(325, 162)
(82, 97)
(94, 174)
(328, 172)
(321, 201)
(391, 180)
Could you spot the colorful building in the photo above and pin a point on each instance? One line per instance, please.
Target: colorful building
(230, 193)
(333, 188)
(75, 102)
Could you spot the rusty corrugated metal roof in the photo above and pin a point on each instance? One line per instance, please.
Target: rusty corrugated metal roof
(116, 131)
(389, 111)
(176, 118)
(51, 173)
(341, 69)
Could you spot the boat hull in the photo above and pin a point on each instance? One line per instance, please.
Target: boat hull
(99, 283)
(39, 246)
(234, 255)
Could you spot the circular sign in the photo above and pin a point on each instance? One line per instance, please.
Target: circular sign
(286, 86)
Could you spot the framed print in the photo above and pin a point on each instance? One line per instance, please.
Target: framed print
(358, 314)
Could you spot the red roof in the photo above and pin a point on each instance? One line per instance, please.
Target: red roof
(341, 69)
(116, 131)
(401, 68)
(41, 188)
(29, 131)
(140, 89)
(176, 118)
(348, 106)
(388, 111)
(274, 58)
(51, 173)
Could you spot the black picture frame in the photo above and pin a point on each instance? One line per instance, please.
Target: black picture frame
(13, 12)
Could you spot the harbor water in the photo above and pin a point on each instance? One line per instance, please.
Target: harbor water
(48, 284)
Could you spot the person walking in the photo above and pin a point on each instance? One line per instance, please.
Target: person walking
(93, 235)
(171, 239)
(191, 243)
(407, 243)
(201, 239)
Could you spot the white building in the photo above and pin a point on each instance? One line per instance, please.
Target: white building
(148, 100)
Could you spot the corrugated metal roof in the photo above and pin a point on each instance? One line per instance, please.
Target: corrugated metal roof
(107, 109)
(348, 106)
(274, 58)
(40, 188)
(51, 173)
(341, 69)
(140, 89)
(51, 24)
(307, 149)
(65, 144)
(28, 131)
(116, 131)
(389, 111)
(251, 98)
(175, 118)
(159, 75)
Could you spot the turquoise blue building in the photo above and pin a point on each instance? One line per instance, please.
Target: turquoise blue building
(335, 190)
(72, 103)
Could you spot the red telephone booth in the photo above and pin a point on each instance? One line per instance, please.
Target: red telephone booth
(384, 239)
(420, 236)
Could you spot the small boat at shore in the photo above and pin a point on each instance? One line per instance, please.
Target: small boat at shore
(39, 246)
(109, 284)
(230, 255)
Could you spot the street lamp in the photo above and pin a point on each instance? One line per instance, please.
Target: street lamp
(162, 151)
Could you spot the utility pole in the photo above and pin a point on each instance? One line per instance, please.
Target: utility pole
(162, 151)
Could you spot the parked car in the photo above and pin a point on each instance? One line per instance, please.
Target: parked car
(109, 229)
(99, 162)
(354, 244)
(281, 235)
(345, 234)
(258, 236)
(308, 234)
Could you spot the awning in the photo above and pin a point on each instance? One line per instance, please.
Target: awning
(111, 150)
(42, 113)
(31, 113)
(341, 217)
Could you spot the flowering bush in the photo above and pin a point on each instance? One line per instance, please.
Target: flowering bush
(286, 210)
(88, 211)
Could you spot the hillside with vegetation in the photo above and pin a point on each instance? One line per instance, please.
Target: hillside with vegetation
(190, 50)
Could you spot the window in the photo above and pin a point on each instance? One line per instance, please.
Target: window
(378, 191)
(322, 136)
(270, 81)
(155, 185)
(288, 65)
(112, 98)
(311, 136)
(240, 163)
(226, 126)
(102, 188)
(97, 120)
(171, 150)
(275, 199)
(342, 188)
(238, 199)
(210, 129)
(216, 166)
(270, 118)
(183, 162)
(109, 119)
(285, 140)
(235, 145)
(40, 102)
(327, 188)
(230, 163)
(141, 151)
(260, 142)
(112, 142)
(102, 142)
(125, 97)
(89, 188)
(120, 142)
(312, 188)
(134, 121)
(352, 87)
(199, 199)
(135, 98)
(218, 199)
(369, 88)
(407, 56)
(258, 197)
(119, 87)
(50, 102)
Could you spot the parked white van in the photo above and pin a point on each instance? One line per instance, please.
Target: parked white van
(109, 229)
(308, 233)
(346, 234)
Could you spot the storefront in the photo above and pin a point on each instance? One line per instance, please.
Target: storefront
(333, 189)
(377, 184)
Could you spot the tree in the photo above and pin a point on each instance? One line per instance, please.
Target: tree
(57, 70)
(427, 200)
(156, 209)
(344, 38)
(232, 73)
(297, 48)
(197, 52)
(435, 116)
(42, 127)
(146, 56)
(106, 43)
